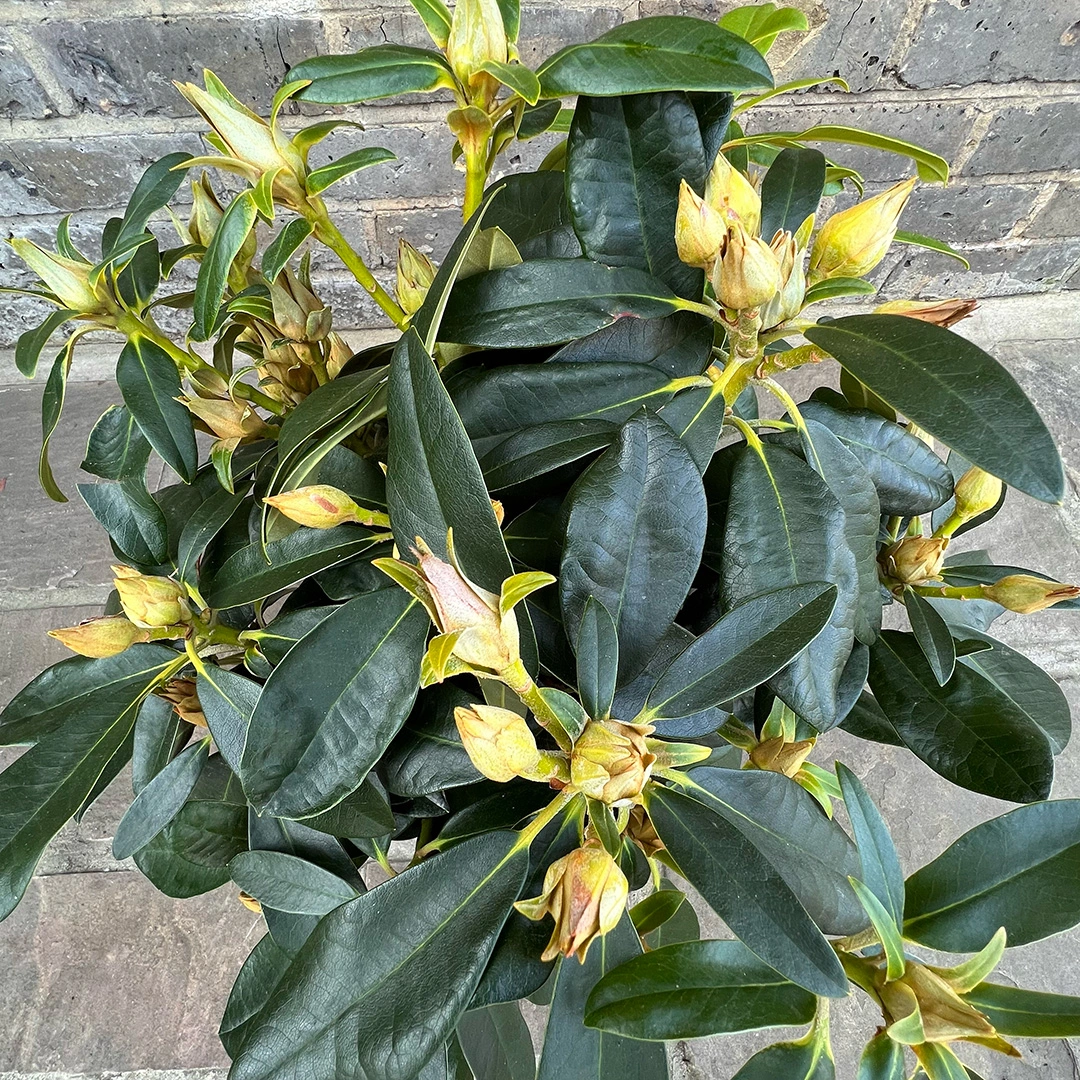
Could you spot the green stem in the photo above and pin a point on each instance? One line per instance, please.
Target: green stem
(382, 860)
(475, 178)
(538, 823)
(952, 592)
(326, 232)
(521, 682)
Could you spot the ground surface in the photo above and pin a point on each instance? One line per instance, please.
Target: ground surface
(100, 975)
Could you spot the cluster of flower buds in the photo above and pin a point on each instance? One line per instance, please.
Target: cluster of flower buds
(477, 37)
(852, 242)
(719, 234)
(585, 892)
(612, 761)
(477, 630)
(321, 506)
(149, 601)
(915, 560)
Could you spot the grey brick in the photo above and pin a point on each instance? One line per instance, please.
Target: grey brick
(957, 44)
(968, 214)
(545, 30)
(78, 173)
(431, 230)
(1061, 215)
(1030, 138)
(21, 95)
(77, 551)
(942, 127)
(25, 647)
(998, 270)
(126, 66)
(112, 976)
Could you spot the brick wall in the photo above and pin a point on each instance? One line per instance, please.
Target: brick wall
(994, 85)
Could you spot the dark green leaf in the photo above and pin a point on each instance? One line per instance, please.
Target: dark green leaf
(933, 636)
(696, 989)
(138, 281)
(1027, 1013)
(714, 115)
(597, 659)
(910, 478)
(785, 527)
(363, 813)
(160, 801)
(246, 576)
(150, 385)
(228, 700)
(159, 734)
(741, 651)
(287, 629)
(535, 451)
(833, 288)
(761, 23)
(746, 891)
(967, 731)
(52, 404)
(425, 937)
(117, 448)
(379, 72)
(320, 179)
(331, 707)
(79, 686)
(497, 1044)
(529, 205)
(621, 157)
(682, 926)
(288, 883)
(785, 823)
(793, 1061)
(237, 221)
(697, 417)
(656, 909)
(1020, 871)
(883, 1059)
(518, 78)
(634, 533)
(281, 248)
(791, 189)
(881, 871)
(203, 525)
(31, 342)
(666, 52)
(928, 373)
(550, 301)
(47, 785)
(433, 481)
(572, 1050)
(131, 517)
(262, 971)
(155, 188)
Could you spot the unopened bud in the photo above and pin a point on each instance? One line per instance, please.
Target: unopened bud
(102, 637)
(788, 302)
(938, 312)
(150, 601)
(415, 273)
(747, 275)
(320, 506)
(585, 893)
(641, 830)
(1025, 593)
(298, 313)
(477, 35)
(249, 902)
(776, 755)
(227, 419)
(729, 192)
(852, 242)
(498, 741)
(67, 278)
(916, 559)
(699, 229)
(206, 212)
(975, 493)
(184, 698)
(611, 761)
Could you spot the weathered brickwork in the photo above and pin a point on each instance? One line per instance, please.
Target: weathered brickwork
(87, 101)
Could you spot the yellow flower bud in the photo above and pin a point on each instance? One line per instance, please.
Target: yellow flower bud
(67, 278)
(184, 698)
(298, 313)
(777, 755)
(498, 741)
(102, 637)
(916, 559)
(320, 506)
(227, 419)
(585, 893)
(249, 902)
(641, 830)
(1025, 593)
(699, 229)
(611, 761)
(747, 275)
(788, 302)
(415, 273)
(938, 312)
(477, 34)
(150, 601)
(728, 191)
(975, 493)
(206, 212)
(852, 242)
